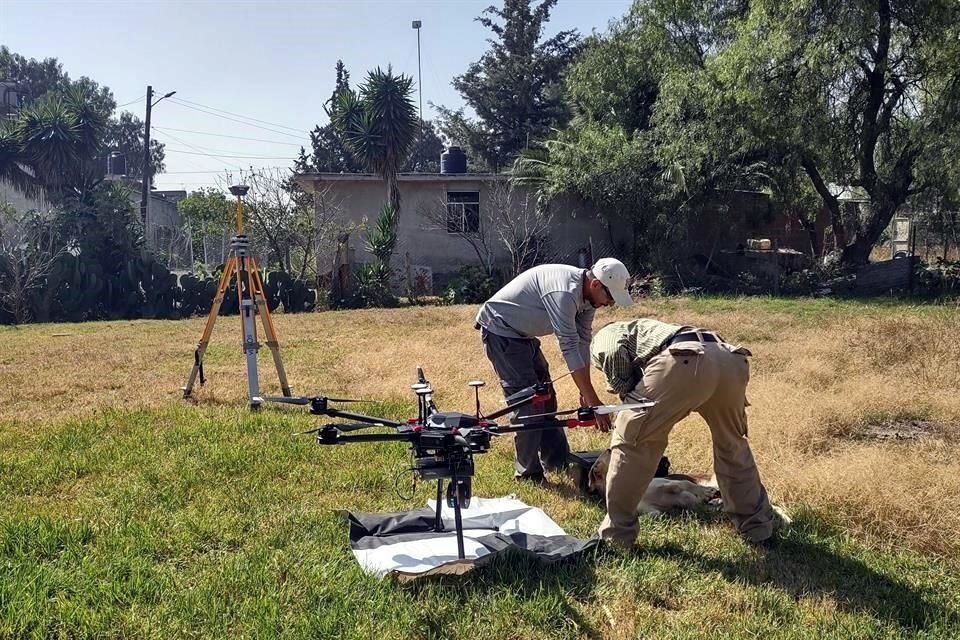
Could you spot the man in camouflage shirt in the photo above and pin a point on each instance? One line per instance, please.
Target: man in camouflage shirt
(682, 369)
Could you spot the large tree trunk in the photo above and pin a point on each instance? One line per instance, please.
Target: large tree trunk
(882, 208)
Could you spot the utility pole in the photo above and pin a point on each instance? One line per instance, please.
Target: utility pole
(145, 170)
(145, 177)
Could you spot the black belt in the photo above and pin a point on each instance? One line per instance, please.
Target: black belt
(690, 336)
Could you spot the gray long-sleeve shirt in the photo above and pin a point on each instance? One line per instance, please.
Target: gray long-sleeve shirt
(543, 300)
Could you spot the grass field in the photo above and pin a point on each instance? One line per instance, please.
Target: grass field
(126, 512)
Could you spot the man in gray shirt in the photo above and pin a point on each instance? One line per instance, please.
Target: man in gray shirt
(551, 298)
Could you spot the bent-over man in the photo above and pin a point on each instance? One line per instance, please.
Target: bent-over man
(683, 369)
(551, 298)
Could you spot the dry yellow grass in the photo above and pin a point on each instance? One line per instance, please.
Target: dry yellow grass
(823, 374)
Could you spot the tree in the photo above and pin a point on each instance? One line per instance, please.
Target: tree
(55, 140)
(35, 78)
(852, 94)
(425, 155)
(28, 251)
(125, 135)
(330, 152)
(206, 212)
(379, 124)
(521, 220)
(37, 81)
(515, 87)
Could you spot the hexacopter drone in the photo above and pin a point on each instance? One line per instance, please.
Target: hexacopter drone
(443, 443)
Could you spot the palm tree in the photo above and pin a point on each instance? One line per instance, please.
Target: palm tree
(13, 167)
(379, 124)
(52, 145)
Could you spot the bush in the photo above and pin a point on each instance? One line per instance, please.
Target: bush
(371, 288)
(939, 280)
(826, 279)
(473, 285)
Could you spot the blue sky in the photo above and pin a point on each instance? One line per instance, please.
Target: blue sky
(271, 61)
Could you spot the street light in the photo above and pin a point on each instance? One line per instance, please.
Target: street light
(416, 25)
(145, 177)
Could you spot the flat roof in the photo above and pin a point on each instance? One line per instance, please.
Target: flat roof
(307, 179)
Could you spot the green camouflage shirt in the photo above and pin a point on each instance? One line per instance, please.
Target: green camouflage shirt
(621, 350)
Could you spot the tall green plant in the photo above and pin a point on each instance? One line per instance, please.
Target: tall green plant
(379, 123)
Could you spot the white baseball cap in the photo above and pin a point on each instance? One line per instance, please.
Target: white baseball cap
(614, 275)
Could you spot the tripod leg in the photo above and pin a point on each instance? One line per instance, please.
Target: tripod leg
(248, 328)
(208, 329)
(269, 328)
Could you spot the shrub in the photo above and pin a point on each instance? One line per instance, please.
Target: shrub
(473, 285)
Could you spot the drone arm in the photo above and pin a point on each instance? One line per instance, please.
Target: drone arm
(570, 423)
(334, 413)
(335, 437)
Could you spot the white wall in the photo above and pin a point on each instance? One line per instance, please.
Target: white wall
(574, 224)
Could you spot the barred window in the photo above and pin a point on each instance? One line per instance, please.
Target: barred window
(463, 211)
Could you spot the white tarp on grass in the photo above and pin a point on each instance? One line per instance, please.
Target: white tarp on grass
(406, 544)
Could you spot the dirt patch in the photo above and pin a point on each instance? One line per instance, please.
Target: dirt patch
(909, 431)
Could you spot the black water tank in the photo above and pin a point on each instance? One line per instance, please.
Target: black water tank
(453, 160)
(117, 164)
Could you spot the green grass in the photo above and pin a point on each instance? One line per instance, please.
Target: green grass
(212, 522)
(126, 513)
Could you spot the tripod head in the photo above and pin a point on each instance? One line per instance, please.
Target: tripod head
(239, 190)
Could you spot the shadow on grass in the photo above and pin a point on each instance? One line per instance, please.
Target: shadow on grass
(803, 562)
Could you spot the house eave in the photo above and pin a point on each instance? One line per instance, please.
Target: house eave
(309, 181)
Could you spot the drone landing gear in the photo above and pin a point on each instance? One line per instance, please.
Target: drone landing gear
(458, 493)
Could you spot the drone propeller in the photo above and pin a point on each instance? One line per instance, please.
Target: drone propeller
(513, 397)
(305, 400)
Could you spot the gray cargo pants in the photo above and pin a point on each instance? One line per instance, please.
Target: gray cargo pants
(519, 363)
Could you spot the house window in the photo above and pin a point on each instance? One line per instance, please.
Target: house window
(463, 211)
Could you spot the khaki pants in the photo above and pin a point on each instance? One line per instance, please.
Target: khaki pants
(711, 379)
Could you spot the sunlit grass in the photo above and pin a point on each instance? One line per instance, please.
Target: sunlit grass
(128, 512)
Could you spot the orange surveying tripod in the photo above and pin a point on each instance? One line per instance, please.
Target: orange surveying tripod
(253, 302)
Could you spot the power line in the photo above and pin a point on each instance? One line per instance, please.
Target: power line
(198, 149)
(256, 126)
(125, 104)
(223, 135)
(174, 173)
(272, 124)
(226, 154)
(198, 153)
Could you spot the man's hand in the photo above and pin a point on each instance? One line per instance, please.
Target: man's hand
(603, 422)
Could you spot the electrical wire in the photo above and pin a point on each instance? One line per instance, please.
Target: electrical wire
(272, 124)
(173, 137)
(223, 135)
(211, 155)
(132, 101)
(281, 133)
(174, 173)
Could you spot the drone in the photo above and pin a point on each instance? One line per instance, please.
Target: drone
(443, 443)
